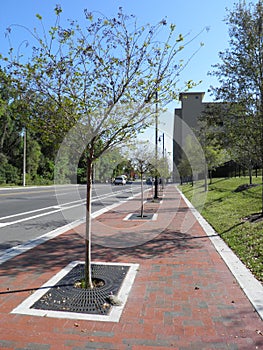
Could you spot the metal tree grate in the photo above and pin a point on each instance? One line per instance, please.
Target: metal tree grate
(65, 296)
(138, 217)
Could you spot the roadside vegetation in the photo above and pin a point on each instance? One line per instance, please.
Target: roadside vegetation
(86, 91)
(232, 214)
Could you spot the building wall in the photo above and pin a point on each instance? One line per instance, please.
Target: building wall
(191, 108)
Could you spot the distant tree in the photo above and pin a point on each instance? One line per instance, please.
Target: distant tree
(244, 132)
(185, 170)
(193, 161)
(232, 129)
(15, 116)
(143, 161)
(240, 73)
(10, 130)
(215, 156)
(106, 167)
(33, 159)
(163, 168)
(212, 145)
(100, 78)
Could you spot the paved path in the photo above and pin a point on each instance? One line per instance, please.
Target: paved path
(184, 297)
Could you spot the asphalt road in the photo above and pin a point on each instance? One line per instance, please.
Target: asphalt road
(27, 213)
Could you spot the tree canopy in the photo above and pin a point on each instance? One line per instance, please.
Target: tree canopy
(96, 85)
(240, 76)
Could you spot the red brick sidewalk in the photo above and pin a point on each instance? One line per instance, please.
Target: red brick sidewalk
(184, 297)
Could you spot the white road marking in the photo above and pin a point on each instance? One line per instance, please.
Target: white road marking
(52, 209)
(22, 248)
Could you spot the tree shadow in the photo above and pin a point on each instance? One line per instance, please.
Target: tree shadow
(60, 251)
(55, 253)
(251, 218)
(165, 245)
(232, 227)
(9, 244)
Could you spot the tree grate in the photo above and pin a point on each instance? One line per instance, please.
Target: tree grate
(65, 296)
(139, 217)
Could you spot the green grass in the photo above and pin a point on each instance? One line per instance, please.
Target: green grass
(225, 210)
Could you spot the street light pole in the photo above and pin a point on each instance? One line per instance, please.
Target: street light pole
(24, 157)
(163, 142)
(156, 146)
(260, 29)
(162, 178)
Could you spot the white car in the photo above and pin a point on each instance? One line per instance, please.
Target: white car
(120, 180)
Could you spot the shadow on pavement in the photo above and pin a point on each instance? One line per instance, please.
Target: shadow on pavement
(58, 252)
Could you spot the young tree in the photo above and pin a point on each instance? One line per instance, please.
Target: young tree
(215, 153)
(185, 170)
(196, 160)
(143, 161)
(99, 82)
(232, 129)
(241, 71)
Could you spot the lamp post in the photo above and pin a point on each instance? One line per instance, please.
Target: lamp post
(160, 139)
(260, 30)
(24, 156)
(156, 146)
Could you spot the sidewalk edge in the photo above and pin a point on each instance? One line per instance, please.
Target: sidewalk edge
(248, 283)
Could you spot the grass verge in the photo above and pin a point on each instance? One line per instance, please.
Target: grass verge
(227, 210)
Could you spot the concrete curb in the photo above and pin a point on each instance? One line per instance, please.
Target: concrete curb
(248, 283)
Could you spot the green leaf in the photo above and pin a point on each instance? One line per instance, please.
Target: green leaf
(180, 38)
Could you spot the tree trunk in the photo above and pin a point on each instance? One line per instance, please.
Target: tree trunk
(262, 164)
(206, 185)
(88, 277)
(261, 141)
(156, 187)
(210, 177)
(250, 175)
(142, 208)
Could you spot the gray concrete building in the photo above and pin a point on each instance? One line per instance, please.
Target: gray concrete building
(192, 106)
(185, 121)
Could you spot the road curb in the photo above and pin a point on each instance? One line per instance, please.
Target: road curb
(248, 283)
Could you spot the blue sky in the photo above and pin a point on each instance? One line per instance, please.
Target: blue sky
(189, 16)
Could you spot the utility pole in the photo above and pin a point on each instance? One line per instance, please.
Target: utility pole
(162, 137)
(156, 146)
(24, 157)
(260, 29)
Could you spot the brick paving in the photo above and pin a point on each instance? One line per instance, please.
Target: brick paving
(184, 297)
